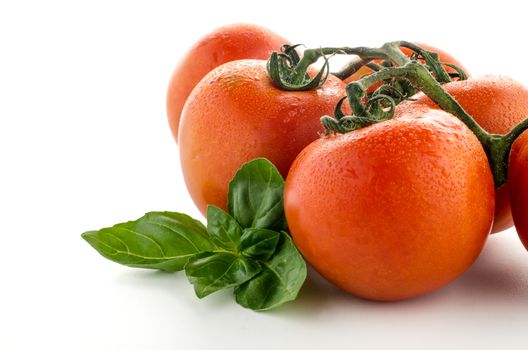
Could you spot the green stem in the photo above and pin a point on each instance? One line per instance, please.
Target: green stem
(294, 76)
(497, 147)
(516, 131)
(374, 66)
(499, 151)
(393, 52)
(351, 67)
(310, 56)
(389, 51)
(431, 59)
(422, 80)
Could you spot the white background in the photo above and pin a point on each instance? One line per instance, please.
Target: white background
(84, 144)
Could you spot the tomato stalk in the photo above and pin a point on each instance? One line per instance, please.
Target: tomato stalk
(354, 65)
(431, 59)
(310, 56)
(404, 76)
(289, 72)
(497, 147)
(389, 51)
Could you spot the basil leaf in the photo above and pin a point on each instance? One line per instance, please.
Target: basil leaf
(158, 240)
(280, 280)
(223, 228)
(210, 272)
(255, 197)
(259, 243)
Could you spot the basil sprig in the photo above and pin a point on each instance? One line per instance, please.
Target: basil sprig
(246, 248)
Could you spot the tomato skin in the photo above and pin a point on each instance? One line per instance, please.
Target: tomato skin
(234, 115)
(443, 56)
(518, 191)
(394, 210)
(225, 44)
(497, 103)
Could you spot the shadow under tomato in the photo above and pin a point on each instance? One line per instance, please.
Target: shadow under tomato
(319, 297)
(499, 275)
(316, 295)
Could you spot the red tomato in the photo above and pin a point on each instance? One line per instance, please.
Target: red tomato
(236, 114)
(518, 186)
(229, 43)
(497, 103)
(393, 210)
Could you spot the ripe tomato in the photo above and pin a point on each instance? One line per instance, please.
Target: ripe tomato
(235, 114)
(229, 43)
(497, 103)
(394, 210)
(518, 186)
(443, 56)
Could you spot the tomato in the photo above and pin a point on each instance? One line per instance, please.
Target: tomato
(393, 210)
(443, 57)
(229, 43)
(518, 191)
(235, 114)
(497, 103)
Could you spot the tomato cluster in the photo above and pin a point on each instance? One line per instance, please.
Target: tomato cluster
(389, 211)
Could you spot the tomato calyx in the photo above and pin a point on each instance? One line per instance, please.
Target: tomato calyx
(378, 108)
(284, 71)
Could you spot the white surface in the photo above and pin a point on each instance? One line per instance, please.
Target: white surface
(84, 143)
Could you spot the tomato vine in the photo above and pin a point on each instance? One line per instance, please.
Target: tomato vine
(401, 78)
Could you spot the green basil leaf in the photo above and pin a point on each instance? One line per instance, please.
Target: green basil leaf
(210, 272)
(158, 240)
(259, 243)
(255, 197)
(223, 228)
(280, 280)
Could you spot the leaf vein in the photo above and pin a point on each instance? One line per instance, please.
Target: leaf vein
(220, 277)
(128, 252)
(177, 233)
(144, 236)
